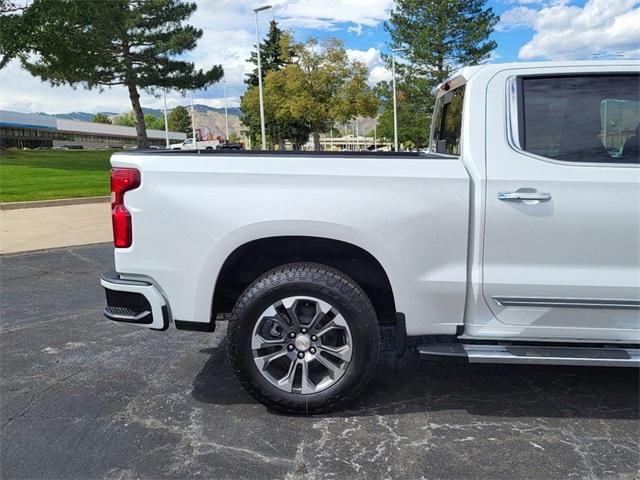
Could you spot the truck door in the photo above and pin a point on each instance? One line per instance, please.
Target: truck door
(562, 227)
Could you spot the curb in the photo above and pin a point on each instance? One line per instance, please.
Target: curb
(53, 203)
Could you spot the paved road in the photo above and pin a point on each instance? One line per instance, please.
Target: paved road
(84, 398)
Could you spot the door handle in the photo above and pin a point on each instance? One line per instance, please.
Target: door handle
(524, 195)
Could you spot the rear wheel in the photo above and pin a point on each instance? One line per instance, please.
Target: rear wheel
(303, 338)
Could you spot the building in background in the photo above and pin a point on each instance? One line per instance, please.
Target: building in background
(33, 130)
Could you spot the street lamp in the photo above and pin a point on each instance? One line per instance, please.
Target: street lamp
(395, 105)
(226, 118)
(166, 121)
(262, 127)
(193, 124)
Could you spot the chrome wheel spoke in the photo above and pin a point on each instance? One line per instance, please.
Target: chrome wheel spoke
(258, 342)
(264, 360)
(286, 382)
(323, 308)
(274, 314)
(337, 322)
(343, 352)
(306, 386)
(334, 370)
(289, 306)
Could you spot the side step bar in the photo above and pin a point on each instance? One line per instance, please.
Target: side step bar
(532, 355)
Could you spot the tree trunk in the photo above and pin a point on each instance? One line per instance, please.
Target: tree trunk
(316, 140)
(281, 144)
(141, 129)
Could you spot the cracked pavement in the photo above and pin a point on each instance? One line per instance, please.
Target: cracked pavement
(82, 397)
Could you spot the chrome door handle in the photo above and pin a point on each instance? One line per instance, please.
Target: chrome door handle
(524, 195)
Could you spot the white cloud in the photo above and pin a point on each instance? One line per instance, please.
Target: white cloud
(357, 29)
(516, 17)
(568, 32)
(327, 14)
(373, 60)
(524, 2)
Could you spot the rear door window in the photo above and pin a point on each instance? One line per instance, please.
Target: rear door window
(586, 118)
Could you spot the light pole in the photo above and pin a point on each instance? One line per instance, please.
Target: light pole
(262, 127)
(375, 136)
(226, 118)
(193, 124)
(166, 121)
(395, 103)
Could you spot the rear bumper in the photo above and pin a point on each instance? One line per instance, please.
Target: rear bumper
(134, 301)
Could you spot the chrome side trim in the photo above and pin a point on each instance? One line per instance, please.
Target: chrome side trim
(532, 354)
(566, 302)
(553, 356)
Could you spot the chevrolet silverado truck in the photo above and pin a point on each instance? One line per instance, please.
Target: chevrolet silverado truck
(515, 239)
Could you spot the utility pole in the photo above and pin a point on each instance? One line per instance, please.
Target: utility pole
(166, 121)
(262, 126)
(226, 118)
(331, 138)
(193, 124)
(395, 103)
(357, 135)
(375, 135)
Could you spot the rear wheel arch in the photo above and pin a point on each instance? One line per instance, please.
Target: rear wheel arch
(252, 259)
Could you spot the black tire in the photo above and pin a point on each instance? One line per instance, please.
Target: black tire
(324, 283)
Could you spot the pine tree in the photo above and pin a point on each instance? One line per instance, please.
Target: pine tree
(437, 36)
(275, 53)
(14, 32)
(441, 35)
(98, 44)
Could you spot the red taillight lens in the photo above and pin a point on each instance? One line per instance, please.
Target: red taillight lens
(122, 180)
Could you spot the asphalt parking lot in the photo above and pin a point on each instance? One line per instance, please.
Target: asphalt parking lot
(82, 397)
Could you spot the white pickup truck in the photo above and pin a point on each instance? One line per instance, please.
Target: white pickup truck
(516, 239)
(200, 145)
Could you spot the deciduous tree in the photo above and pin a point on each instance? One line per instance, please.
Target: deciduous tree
(275, 53)
(319, 87)
(179, 120)
(101, 118)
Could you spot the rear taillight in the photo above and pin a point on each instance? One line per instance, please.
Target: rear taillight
(122, 180)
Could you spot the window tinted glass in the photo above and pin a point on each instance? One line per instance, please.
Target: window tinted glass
(447, 125)
(582, 118)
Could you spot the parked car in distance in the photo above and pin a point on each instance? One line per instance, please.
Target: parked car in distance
(230, 146)
(514, 239)
(200, 145)
(68, 147)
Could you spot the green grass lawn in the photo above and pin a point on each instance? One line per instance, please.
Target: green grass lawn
(47, 174)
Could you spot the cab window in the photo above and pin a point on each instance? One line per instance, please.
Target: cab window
(447, 122)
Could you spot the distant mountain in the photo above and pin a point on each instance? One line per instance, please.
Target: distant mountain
(210, 120)
(80, 116)
(204, 109)
(156, 112)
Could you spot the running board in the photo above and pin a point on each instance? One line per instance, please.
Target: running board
(533, 355)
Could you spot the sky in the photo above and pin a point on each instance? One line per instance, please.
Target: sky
(528, 30)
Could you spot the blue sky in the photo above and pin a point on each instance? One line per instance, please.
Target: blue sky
(508, 41)
(528, 30)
